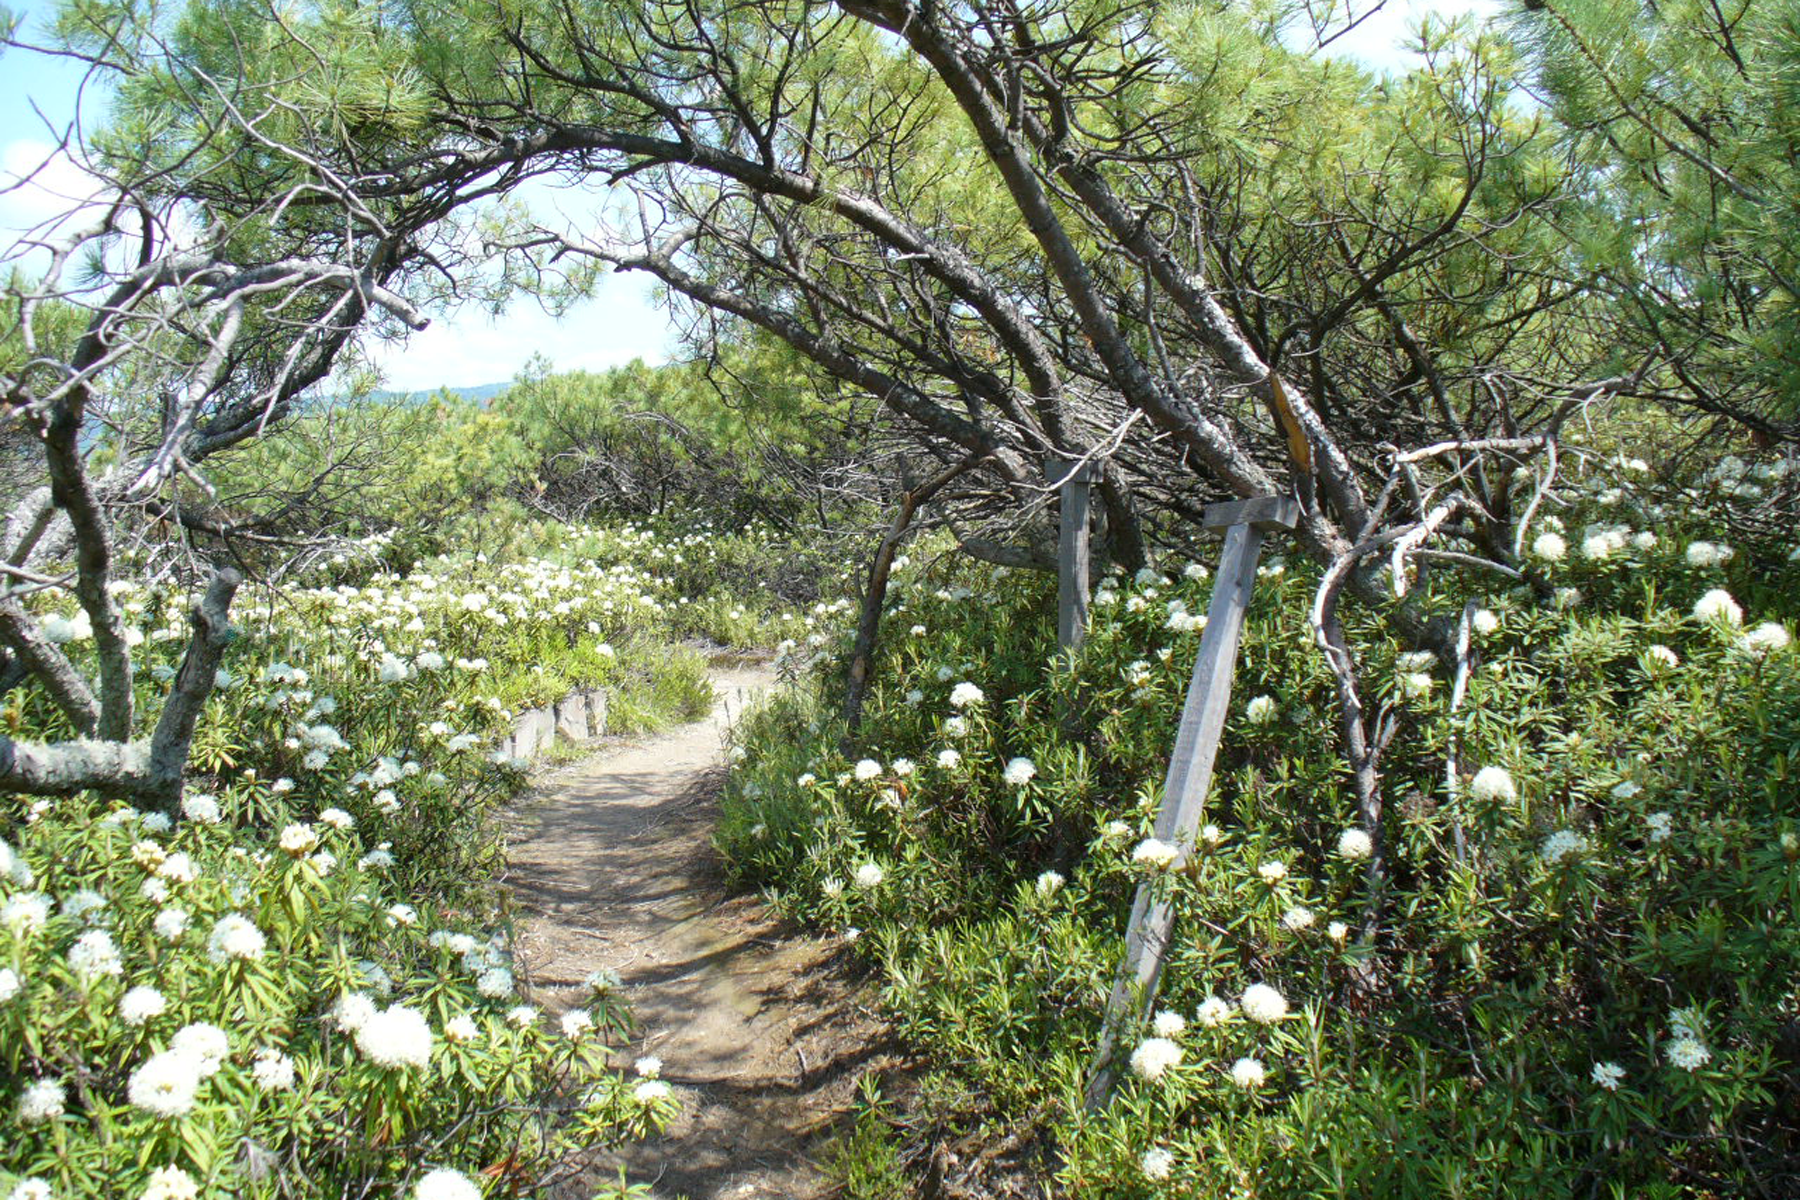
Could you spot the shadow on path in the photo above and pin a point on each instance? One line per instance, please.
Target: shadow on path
(612, 866)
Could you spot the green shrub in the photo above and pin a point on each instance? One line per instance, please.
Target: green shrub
(334, 857)
(1594, 997)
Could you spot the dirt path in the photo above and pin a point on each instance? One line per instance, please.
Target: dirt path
(612, 866)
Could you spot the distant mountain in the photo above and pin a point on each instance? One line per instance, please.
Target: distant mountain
(480, 395)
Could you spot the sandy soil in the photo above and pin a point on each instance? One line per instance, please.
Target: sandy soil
(612, 866)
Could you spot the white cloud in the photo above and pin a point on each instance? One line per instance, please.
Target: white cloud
(469, 348)
(1383, 42)
(39, 184)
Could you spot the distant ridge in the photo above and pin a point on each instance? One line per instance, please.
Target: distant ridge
(481, 394)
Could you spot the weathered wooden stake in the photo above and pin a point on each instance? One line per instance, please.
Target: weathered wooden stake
(1076, 478)
(1190, 767)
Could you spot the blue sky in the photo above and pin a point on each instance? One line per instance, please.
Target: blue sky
(468, 347)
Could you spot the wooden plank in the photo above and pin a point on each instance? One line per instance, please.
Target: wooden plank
(1074, 549)
(1267, 513)
(1188, 780)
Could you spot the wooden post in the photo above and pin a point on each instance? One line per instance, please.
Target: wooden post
(1190, 767)
(1076, 478)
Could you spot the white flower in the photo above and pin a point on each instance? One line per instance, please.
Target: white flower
(965, 694)
(495, 983)
(201, 808)
(1626, 789)
(170, 924)
(833, 888)
(272, 1070)
(1562, 844)
(949, 759)
(867, 769)
(32, 1188)
(869, 875)
(1484, 621)
(1415, 685)
(915, 697)
(1664, 656)
(1659, 823)
(1019, 772)
(1153, 1057)
(1608, 1075)
(955, 727)
(1273, 871)
(337, 818)
(1337, 931)
(901, 767)
(1550, 547)
(521, 1016)
(235, 936)
(461, 1029)
(1717, 605)
(1688, 1052)
(9, 984)
(41, 1101)
(648, 1067)
(1213, 1012)
(171, 1183)
(1493, 784)
(1157, 1164)
(1248, 1073)
(1599, 546)
(444, 1184)
(1355, 844)
(1765, 639)
(298, 839)
(1169, 1024)
(352, 1011)
(1297, 918)
(396, 1036)
(94, 954)
(206, 1044)
(141, 1004)
(178, 868)
(1263, 1004)
(1049, 883)
(1707, 554)
(166, 1084)
(1260, 711)
(577, 1023)
(1154, 854)
(649, 1091)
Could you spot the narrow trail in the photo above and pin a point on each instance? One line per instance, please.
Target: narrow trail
(612, 866)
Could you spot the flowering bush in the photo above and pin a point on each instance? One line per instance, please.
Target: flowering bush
(1581, 978)
(296, 984)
